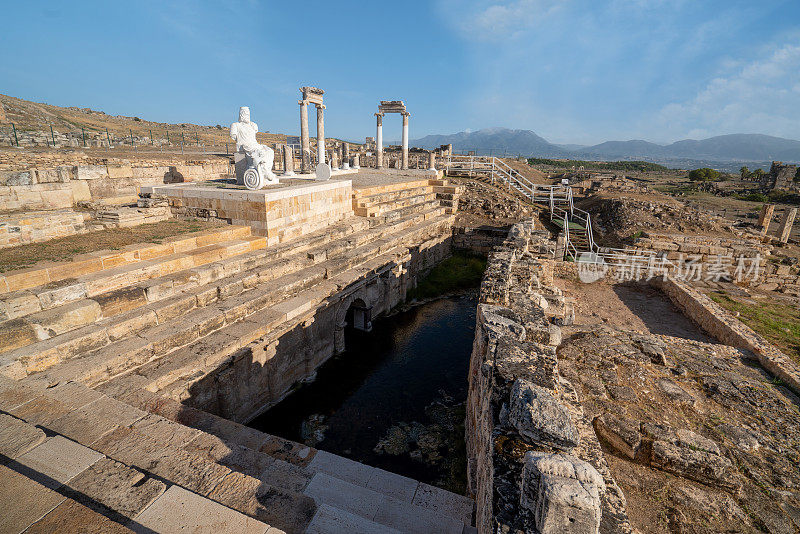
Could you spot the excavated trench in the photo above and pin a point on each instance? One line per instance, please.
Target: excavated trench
(395, 398)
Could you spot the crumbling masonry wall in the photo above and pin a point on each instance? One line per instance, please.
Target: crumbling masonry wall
(534, 462)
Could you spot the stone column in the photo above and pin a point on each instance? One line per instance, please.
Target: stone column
(345, 156)
(288, 160)
(356, 160)
(334, 161)
(405, 141)
(379, 142)
(432, 161)
(321, 133)
(305, 142)
(786, 224)
(766, 217)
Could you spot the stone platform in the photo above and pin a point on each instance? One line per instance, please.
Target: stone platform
(279, 213)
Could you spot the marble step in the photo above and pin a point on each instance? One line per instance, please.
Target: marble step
(111, 347)
(93, 262)
(242, 448)
(174, 374)
(393, 204)
(103, 294)
(93, 453)
(39, 356)
(361, 201)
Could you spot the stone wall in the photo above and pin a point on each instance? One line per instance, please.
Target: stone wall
(715, 320)
(480, 240)
(64, 186)
(36, 227)
(706, 249)
(533, 461)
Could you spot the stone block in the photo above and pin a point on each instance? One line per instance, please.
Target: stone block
(539, 418)
(329, 520)
(698, 465)
(60, 293)
(18, 437)
(71, 516)
(91, 172)
(180, 510)
(16, 489)
(67, 317)
(56, 461)
(621, 434)
(333, 491)
(444, 502)
(42, 410)
(96, 419)
(18, 304)
(561, 494)
(119, 171)
(288, 511)
(116, 487)
(121, 300)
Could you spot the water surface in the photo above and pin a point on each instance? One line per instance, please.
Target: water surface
(395, 398)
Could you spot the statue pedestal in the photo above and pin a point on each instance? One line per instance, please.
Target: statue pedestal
(240, 164)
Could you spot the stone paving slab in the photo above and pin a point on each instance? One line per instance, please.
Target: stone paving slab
(444, 502)
(111, 485)
(395, 486)
(18, 437)
(71, 516)
(93, 421)
(326, 489)
(166, 431)
(341, 468)
(415, 520)
(56, 461)
(15, 489)
(179, 510)
(330, 520)
(41, 410)
(176, 465)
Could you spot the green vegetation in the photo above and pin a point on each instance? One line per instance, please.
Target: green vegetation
(777, 322)
(640, 166)
(784, 197)
(462, 270)
(705, 175)
(753, 197)
(755, 175)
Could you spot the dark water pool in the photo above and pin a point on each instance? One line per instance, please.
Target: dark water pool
(395, 398)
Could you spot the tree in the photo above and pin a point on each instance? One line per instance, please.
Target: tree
(797, 175)
(745, 172)
(704, 175)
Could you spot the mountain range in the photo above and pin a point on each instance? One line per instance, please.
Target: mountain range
(724, 148)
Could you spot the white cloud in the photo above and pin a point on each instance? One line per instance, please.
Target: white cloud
(499, 20)
(760, 97)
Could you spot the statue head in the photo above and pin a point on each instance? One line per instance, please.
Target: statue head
(244, 114)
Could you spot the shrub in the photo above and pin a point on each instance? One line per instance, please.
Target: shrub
(704, 175)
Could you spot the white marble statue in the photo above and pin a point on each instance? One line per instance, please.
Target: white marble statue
(258, 171)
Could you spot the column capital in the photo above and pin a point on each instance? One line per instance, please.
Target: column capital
(379, 114)
(405, 114)
(320, 106)
(302, 102)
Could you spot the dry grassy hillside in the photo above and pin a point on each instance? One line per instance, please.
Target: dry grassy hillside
(32, 116)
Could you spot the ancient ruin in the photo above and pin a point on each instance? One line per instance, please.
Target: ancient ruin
(618, 379)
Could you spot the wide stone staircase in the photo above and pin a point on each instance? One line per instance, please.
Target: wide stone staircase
(80, 460)
(101, 356)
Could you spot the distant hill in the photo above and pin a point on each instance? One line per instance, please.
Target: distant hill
(496, 141)
(734, 147)
(723, 150)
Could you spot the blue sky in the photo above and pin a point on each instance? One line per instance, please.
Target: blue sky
(580, 71)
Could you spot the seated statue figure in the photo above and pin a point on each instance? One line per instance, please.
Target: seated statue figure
(258, 171)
